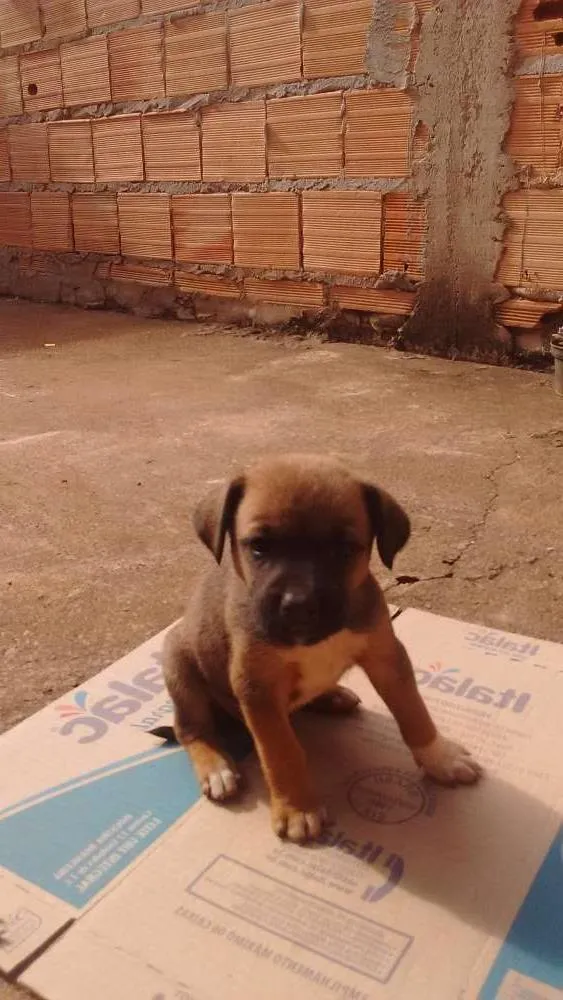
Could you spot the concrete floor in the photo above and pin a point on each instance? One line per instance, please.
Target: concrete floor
(111, 427)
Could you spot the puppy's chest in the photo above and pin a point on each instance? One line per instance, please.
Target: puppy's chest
(317, 669)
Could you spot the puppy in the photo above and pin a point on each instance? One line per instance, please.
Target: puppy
(282, 616)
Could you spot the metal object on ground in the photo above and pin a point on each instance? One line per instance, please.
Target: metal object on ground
(557, 352)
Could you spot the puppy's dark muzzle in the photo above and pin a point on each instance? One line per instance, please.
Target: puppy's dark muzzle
(298, 618)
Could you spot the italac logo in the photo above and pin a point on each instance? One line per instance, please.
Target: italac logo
(449, 680)
(88, 718)
(493, 643)
(388, 865)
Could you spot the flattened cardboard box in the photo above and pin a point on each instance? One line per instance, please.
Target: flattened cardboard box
(415, 893)
(85, 791)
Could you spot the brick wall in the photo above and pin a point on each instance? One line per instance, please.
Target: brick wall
(532, 262)
(170, 154)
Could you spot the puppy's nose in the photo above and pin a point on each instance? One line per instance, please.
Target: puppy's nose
(294, 604)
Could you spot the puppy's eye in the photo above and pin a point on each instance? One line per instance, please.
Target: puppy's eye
(345, 549)
(259, 548)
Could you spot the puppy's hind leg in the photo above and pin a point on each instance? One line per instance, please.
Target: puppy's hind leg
(194, 722)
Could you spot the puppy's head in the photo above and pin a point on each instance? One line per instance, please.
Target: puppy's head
(301, 532)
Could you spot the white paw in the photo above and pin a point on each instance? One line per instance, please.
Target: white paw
(295, 825)
(221, 784)
(448, 762)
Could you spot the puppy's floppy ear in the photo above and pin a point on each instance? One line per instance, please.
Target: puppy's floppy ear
(215, 514)
(389, 522)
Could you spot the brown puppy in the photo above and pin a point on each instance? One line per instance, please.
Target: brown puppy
(275, 625)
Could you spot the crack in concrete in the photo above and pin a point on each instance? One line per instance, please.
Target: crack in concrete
(496, 571)
(477, 528)
(413, 581)
(453, 562)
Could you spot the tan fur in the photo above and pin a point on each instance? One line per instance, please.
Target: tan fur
(214, 656)
(319, 668)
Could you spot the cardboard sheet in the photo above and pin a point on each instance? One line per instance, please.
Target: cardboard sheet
(415, 892)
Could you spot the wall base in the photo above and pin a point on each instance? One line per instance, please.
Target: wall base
(86, 283)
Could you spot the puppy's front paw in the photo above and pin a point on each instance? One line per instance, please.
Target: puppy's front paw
(217, 775)
(295, 824)
(448, 762)
(221, 784)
